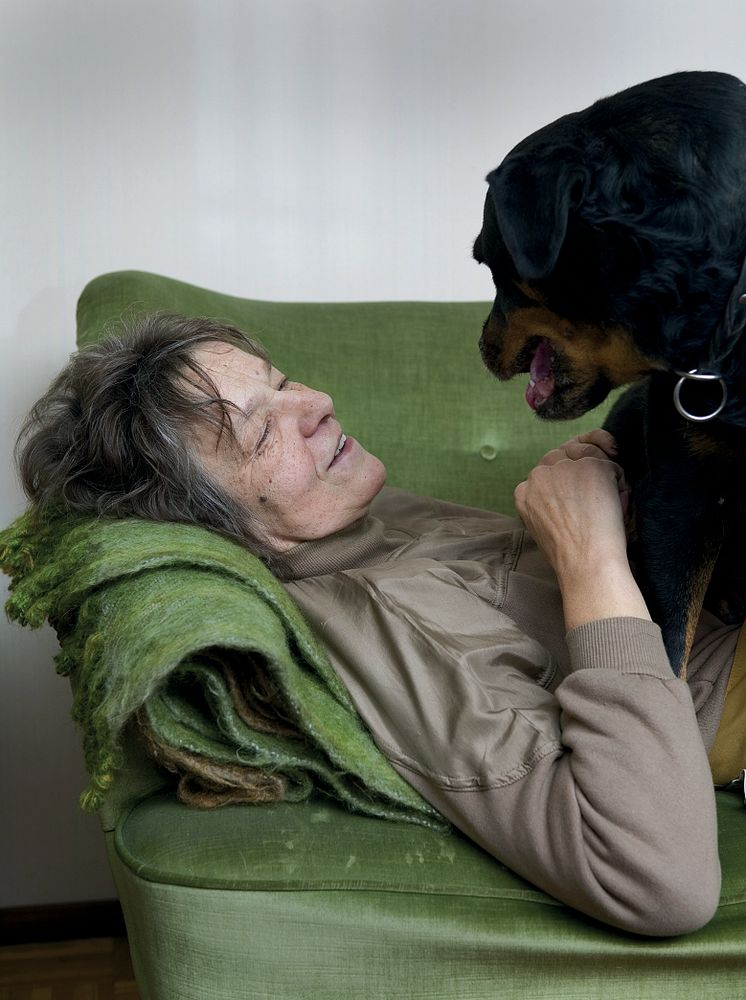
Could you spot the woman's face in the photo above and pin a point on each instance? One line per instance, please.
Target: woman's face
(285, 463)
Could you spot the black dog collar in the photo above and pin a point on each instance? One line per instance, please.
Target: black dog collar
(726, 337)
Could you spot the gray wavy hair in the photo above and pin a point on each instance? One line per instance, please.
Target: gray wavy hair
(113, 433)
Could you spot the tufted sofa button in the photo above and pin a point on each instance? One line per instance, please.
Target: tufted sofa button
(488, 452)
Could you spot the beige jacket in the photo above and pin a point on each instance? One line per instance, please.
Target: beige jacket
(578, 760)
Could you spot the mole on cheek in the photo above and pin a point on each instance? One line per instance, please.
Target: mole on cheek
(262, 499)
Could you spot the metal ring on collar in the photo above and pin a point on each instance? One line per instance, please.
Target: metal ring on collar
(698, 376)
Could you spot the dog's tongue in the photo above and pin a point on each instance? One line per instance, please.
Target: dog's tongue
(541, 385)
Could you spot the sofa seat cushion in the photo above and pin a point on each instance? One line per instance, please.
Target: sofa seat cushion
(318, 845)
(311, 901)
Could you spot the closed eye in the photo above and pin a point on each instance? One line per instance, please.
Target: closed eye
(263, 438)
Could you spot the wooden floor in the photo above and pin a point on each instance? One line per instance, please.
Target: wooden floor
(95, 969)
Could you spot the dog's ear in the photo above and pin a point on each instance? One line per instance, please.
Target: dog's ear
(532, 199)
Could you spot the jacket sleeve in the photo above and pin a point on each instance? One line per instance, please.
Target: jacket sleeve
(618, 820)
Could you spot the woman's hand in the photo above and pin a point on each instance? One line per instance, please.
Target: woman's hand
(574, 504)
(574, 501)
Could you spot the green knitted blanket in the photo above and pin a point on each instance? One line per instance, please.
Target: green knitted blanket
(142, 611)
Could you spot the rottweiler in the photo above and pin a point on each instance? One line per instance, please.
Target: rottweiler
(616, 238)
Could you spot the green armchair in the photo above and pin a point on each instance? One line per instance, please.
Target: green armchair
(309, 901)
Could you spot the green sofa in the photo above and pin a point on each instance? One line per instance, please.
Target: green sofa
(308, 901)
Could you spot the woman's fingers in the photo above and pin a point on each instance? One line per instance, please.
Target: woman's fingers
(602, 439)
(597, 443)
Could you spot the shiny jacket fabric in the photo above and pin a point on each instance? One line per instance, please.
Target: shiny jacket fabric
(578, 759)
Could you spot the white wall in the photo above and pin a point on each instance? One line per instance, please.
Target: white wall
(289, 149)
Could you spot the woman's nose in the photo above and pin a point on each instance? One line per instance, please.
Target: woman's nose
(312, 407)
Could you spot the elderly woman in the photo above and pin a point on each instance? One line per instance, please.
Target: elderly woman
(510, 672)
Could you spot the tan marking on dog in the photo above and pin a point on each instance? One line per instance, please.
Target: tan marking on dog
(703, 442)
(588, 349)
(700, 581)
(530, 292)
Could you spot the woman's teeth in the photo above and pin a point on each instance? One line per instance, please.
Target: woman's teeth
(340, 446)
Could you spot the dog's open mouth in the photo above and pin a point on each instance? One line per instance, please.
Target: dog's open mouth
(541, 382)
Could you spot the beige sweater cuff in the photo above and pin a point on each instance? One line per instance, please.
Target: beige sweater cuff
(626, 645)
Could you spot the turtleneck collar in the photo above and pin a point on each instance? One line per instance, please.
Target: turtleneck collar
(361, 544)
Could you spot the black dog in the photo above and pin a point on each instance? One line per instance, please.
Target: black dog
(616, 238)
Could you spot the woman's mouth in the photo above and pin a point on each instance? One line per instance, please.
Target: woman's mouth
(340, 448)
